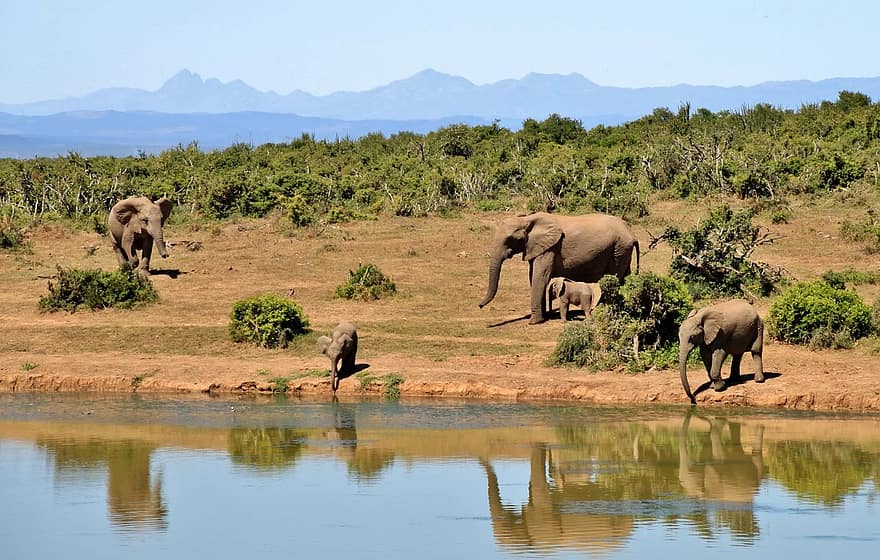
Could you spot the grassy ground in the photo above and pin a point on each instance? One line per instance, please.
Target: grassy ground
(432, 325)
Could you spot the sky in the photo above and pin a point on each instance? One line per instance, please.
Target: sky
(57, 48)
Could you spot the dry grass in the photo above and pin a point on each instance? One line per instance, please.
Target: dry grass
(439, 266)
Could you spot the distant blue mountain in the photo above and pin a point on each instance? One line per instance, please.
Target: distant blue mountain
(126, 133)
(216, 114)
(431, 95)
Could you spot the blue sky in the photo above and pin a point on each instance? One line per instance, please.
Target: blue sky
(54, 48)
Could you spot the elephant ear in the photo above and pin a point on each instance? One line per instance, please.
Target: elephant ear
(711, 327)
(541, 237)
(125, 210)
(323, 344)
(597, 295)
(165, 206)
(561, 288)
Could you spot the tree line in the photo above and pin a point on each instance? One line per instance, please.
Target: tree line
(759, 153)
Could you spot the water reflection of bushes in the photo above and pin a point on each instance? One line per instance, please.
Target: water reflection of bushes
(265, 448)
(134, 500)
(366, 464)
(821, 472)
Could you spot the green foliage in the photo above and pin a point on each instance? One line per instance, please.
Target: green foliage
(29, 366)
(11, 237)
(95, 289)
(866, 231)
(389, 383)
(760, 152)
(715, 257)
(366, 283)
(780, 216)
(280, 384)
(268, 320)
(635, 326)
(840, 278)
(819, 315)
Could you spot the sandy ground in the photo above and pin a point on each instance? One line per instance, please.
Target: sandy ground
(431, 333)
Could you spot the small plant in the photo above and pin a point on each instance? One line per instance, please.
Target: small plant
(28, 366)
(262, 371)
(138, 379)
(391, 386)
(819, 315)
(366, 283)
(95, 289)
(780, 216)
(268, 320)
(280, 384)
(840, 278)
(11, 237)
(866, 231)
(390, 383)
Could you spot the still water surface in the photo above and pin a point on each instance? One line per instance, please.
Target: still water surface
(147, 477)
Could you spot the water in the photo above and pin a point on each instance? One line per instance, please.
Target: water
(147, 477)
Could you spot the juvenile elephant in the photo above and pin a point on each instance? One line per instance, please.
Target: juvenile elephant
(586, 296)
(730, 327)
(135, 224)
(342, 346)
(582, 248)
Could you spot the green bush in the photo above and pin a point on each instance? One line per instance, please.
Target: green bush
(95, 289)
(866, 231)
(366, 283)
(645, 309)
(11, 237)
(714, 257)
(840, 278)
(267, 320)
(819, 315)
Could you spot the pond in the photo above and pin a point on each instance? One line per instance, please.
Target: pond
(87, 476)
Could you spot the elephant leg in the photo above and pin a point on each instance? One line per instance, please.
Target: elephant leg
(563, 310)
(706, 357)
(121, 257)
(128, 247)
(540, 278)
(734, 367)
(146, 251)
(759, 366)
(718, 357)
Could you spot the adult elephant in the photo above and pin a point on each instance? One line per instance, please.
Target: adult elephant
(135, 224)
(581, 248)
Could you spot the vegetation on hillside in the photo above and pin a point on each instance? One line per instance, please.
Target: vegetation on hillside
(759, 153)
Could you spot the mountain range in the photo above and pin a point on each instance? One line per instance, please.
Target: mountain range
(187, 107)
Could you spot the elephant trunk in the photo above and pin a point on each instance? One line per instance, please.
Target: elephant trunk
(334, 374)
(494, 275)
(684, 352)
(159, 239)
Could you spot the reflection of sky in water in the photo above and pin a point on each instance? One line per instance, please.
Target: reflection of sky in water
(317, 488)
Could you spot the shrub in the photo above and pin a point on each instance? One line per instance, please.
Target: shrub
(366, 283)
(840, 278)
(715, 256)
(819, 315)
(636, 325)
(96, 289)
(267, 320)
(867, 231)
(11, 237)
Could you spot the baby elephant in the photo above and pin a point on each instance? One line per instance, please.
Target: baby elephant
(586, 296)
(341, 345)
(730, 327)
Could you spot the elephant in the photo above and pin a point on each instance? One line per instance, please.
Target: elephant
(135, 224)
(582, 248)
(342, 346)
(583, 295)
(730, 327)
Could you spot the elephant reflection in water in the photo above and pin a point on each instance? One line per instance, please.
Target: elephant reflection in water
(365, 464)
(723, 475)
(550, 519)
(134, 500)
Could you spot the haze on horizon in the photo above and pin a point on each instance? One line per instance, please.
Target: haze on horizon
(56, 49)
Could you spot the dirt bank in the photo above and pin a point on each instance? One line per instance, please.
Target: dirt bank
(432, 335)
